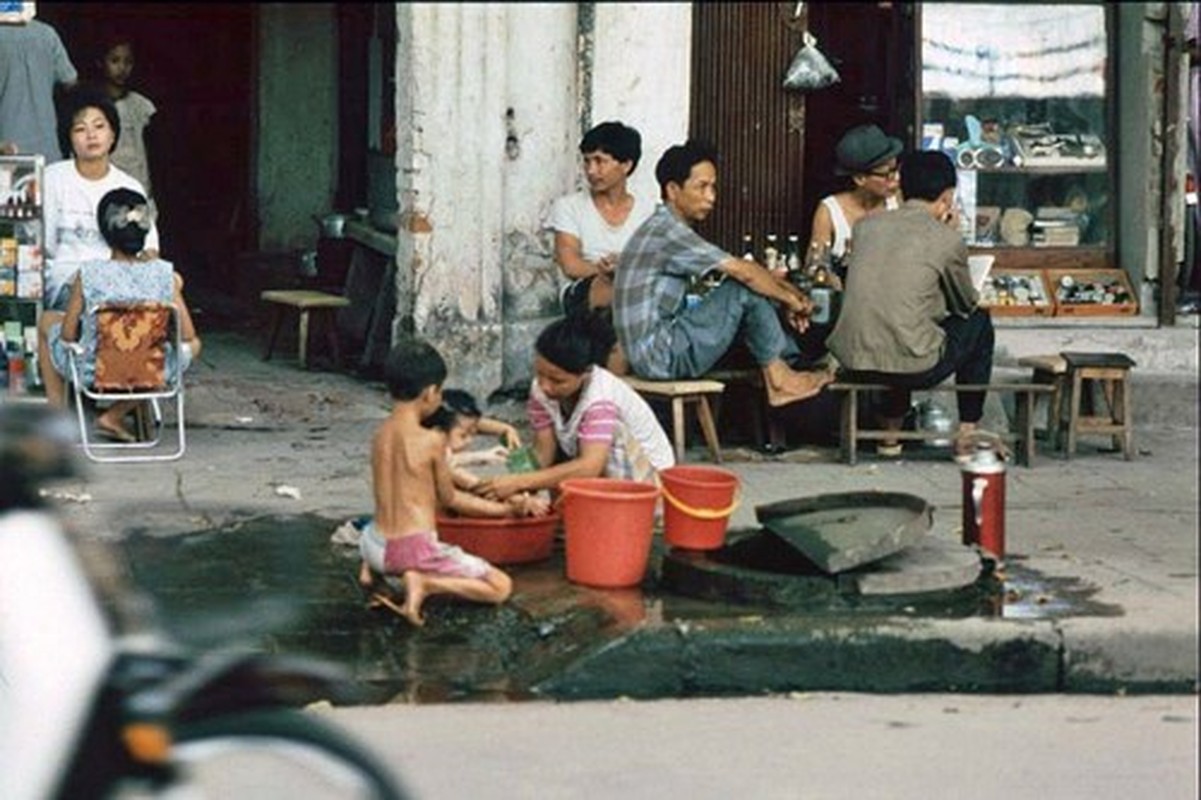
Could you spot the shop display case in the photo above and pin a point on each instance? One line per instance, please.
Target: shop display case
(1019, 96)
(22, 233)
(1092, 293)
(1017, 293)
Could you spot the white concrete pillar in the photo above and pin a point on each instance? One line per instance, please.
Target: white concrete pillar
(484, 101)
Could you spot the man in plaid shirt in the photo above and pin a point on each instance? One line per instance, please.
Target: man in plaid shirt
(663, 338)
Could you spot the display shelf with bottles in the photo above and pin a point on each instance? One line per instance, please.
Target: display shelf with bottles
(22, 235)
(1018, 96)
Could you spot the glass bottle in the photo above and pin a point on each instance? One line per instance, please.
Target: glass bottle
(771, 252)
(3, 362)
(748, 247)
(32, 377)
(821, 291)
(792, 255)
(16, 369)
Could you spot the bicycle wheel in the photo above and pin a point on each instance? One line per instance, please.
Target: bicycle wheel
(276, 753)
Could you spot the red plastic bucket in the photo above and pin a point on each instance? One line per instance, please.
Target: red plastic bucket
(697, 504)
(501, 540)
(607, 527)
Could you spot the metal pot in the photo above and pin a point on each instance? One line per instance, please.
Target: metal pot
(934, 418)
(333, 226)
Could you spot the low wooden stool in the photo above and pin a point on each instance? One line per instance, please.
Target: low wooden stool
(306, 301)
(683, 393)
(1112, 371)
(1051, 370)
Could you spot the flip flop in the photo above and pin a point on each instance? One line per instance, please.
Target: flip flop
(889, 450)
(115, 434)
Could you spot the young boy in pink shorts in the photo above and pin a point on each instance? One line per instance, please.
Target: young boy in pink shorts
(410, 479)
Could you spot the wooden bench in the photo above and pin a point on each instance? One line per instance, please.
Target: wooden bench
(1053, 371)
(852, 433)
(305, 301)
(683, 393)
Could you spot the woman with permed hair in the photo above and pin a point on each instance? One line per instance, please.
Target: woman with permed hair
(578, 408)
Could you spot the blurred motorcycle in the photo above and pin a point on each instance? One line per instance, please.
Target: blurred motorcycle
(97, 701)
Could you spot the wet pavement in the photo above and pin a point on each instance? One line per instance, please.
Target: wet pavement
(277, 584)
(1099, 593)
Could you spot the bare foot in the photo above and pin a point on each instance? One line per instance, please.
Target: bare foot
(379, 599)
(114, 429)
(785, 385)
(414, 597)
(366, 579)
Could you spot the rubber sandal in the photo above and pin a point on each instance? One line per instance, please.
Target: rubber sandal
(889, 450)
(115, 434)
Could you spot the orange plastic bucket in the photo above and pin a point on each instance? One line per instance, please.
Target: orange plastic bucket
(607, 527)
(697, 504)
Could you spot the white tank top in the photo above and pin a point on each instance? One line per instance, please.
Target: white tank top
(842, 228)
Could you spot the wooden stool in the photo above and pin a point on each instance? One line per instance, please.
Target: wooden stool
(1051, 370)
(305, 301)
(1112, 371)
(681, 394)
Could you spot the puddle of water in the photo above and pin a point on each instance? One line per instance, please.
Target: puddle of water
(1023, 593)
(277, 584)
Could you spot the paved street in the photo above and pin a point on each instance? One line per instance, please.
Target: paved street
(803, 746)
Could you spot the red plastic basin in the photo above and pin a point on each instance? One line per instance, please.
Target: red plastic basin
(501, 540)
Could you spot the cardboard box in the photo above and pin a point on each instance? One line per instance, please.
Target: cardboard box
(1092, 293)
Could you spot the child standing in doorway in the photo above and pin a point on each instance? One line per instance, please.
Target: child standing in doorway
(410, 479)
(134, 109)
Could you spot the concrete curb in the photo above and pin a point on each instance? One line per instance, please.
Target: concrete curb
(726, 657)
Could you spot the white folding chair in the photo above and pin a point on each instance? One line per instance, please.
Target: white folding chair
(131, 364)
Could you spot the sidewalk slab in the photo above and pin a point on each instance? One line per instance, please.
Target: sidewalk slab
(269, 441)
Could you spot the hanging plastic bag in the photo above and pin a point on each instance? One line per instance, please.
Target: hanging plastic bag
(810, 69)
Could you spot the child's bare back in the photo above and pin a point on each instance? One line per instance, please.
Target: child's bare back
(411, 481)
(409, 475)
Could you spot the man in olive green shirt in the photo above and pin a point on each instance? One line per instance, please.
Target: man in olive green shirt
(910, 317)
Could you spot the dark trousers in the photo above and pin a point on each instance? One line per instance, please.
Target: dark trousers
(966, 353)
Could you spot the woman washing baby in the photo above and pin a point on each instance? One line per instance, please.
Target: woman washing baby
(577, 407)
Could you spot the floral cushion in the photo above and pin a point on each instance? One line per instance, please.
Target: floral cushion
(131, 347)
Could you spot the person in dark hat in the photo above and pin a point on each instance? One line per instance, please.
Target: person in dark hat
(868, 159)
(911, 316)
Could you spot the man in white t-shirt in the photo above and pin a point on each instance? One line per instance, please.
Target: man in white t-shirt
(592, 226)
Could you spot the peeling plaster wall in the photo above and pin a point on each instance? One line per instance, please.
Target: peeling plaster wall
(488, 120)
(297, 124)
(483, 113)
